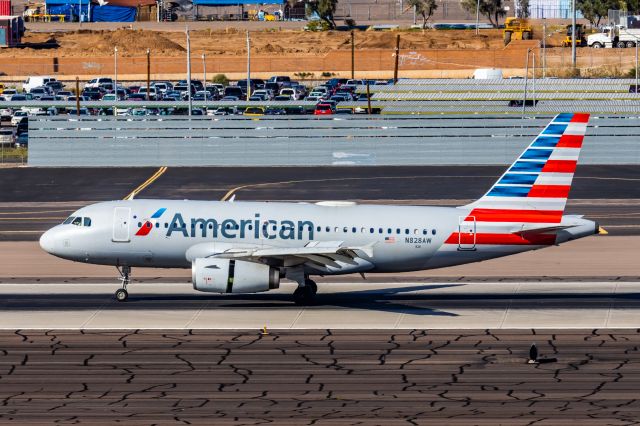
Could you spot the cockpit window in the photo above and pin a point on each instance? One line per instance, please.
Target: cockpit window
(69, 220)
(77, 221)
(87, 221)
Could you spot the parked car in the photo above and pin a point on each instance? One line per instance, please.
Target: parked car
(36, 81)
(7, 136)
(230, 110)
(324, 109)
(17, 116)
(230, 98)
(254, 111)
(38, 92)
(73, 111)
(93, 93)
(8, 93)
(282, 98)
(291, 92)
(258, 98)
(65, 94)
(54, 86)
(234, 91)
(22, 141)
(275, 111)
(265, 93)
(96, 82)
(202, 95)
(137, 97)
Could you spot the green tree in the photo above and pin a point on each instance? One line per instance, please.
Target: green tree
(595, 10)
(220, 79)
(493, 10)
(424, 8)
(324, 8)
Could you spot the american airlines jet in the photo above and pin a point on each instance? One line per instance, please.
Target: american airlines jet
(246, 247)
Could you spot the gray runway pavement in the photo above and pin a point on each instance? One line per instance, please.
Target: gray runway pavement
(320, 377)
(348, 305)
(35, 199)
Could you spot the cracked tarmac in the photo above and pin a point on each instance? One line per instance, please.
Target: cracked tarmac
(319, 377)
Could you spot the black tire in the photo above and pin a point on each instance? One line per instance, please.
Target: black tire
(597, 45)
(312, 285)
(621, 44)
(122, 295)
(526, 35)
(630, 44)
(304, 296)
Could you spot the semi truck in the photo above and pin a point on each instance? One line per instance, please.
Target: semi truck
(614, 36)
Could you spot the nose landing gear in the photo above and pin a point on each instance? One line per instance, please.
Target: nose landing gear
(121, 294)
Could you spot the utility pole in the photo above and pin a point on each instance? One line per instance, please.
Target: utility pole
(189, 71)
(248, 66)
(353, 56)
(77, 96)
(478, 17)
(544, 48)
(368, 98)
(573, 34)
(395, 68)
(148, 73)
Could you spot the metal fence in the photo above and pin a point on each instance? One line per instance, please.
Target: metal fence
(305, 141)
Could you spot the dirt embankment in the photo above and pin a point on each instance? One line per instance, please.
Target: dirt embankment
(231, 42)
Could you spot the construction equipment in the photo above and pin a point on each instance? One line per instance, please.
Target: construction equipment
(580, 36)
(517, 29)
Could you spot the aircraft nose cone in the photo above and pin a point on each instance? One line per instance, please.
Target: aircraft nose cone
(47, 242)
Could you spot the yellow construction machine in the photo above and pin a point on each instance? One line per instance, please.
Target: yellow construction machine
(517, 29)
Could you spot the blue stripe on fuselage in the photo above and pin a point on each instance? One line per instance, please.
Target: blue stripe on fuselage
(546, 141)
(536, 154)
(526, 166)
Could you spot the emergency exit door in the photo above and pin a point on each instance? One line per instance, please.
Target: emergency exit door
(466, 233)
(121, 219)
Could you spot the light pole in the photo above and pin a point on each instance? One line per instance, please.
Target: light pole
(573, 34)
(189, 71)
(526, 80)
(248, 67)
(204, 72)
(478, 17)
(115, 76)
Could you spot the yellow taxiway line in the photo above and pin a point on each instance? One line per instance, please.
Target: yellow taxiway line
(146, 183)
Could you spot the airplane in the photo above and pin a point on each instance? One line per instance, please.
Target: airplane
(247, 247)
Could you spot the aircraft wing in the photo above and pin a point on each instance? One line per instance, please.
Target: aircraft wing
(324, 253)
(318, 253)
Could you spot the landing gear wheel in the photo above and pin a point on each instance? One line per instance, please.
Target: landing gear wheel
(122, 295)
(312, 285)
(304, 296)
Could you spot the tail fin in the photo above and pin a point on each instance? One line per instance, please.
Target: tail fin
(536, 186)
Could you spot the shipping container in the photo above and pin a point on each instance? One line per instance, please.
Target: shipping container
(5, 7)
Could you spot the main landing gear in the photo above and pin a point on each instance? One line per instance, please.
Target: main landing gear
(305, 294)
(121, 294)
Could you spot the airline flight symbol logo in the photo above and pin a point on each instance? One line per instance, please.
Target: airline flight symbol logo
(149, 223)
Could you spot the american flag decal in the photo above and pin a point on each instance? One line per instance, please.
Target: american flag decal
(389, 239)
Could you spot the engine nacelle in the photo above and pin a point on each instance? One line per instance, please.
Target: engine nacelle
(233, 276)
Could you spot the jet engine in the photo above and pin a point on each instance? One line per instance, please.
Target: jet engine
(233, 276)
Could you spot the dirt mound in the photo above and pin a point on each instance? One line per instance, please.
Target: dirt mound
(129, 42)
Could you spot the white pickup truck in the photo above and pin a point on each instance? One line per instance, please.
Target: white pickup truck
(614, 37)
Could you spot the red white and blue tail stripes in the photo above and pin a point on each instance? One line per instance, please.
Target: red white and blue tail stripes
(536, 186)
(532, 193)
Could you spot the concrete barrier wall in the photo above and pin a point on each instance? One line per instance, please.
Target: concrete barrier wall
(305, 140)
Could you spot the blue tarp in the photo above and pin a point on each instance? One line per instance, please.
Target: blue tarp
(234, 2)
(69, 8)
(109, 13)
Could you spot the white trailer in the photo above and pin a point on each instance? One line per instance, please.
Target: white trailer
(614, 37)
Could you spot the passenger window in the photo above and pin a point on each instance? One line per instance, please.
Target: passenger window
(345, 229)
(77, 221)
(406, 231)
(398, 230)
(319, 228)
(87, 221)
(328, 229)
(380, 230)
(389, 230)
(433, 232)
(424, 232)
(353, 229)
(371, 230)
(69, 220)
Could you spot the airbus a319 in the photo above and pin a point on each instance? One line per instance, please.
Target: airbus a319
(247, 247)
